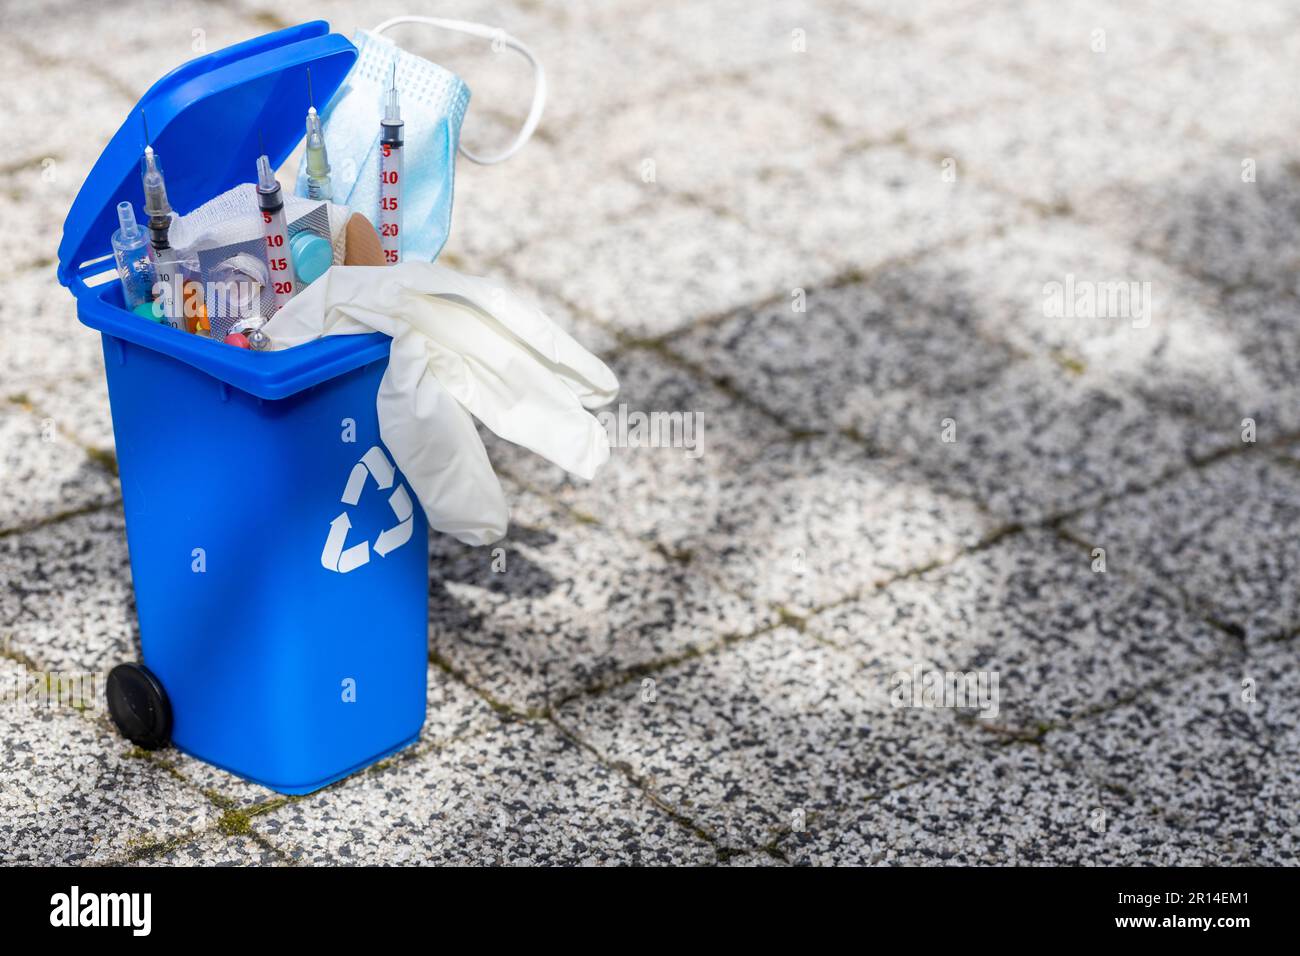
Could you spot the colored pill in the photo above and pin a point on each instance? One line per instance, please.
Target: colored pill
(196, 310)
(312, 255)
(147, 310)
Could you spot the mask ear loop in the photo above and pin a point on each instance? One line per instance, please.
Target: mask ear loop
(490, 33)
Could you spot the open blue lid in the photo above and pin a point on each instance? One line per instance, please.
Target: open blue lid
(204, 120)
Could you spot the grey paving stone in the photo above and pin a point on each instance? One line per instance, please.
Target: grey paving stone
(1008, 806)
(707, 137)
(130, 61)
(1061, 638)
(73, 794)
(731, 35)
(1246, 364)
(1210, 222)
(77, 408)
(1190, 747)
(662, 269)
(44, 342)
(572, 605)
(1234, 88)
(217, 849)
(762, 735)
(664, 478)
(810, 523)
(1259, 19)
(454, 711)
(1060, 147)
(1068, 43)
(521, 795)
(855, 359)
(74, 134)
(753, 860)
(1272, 668)
(1070, 291)
(868, 82)
(554, 187)
(67, 603)
(1044, 440)
(1222, 534)
(860, 209)
(45, 474)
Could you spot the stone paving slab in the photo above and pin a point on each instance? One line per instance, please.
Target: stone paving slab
(44, 342)
(454, 711)
(1009, 806)
(45, 473)
(1253, 100)
(1193, 748)
(78, 410)
(1272, 669)
(772, 731)
(519, 795)
(1068, 291)
(874, 81)
(813, 522)
(67, 603)
(1070, 43)
(1210, 219)
(732, 35)
(552, 188)
(217, 849)
(1062, 638)
(1221, 534)
(861, 208)
(560, 606)
(72, 792)
(712, 265)
(179, 30)
(1061, 146)
(703, 139)
(852, 359)
(677, 440)
(1044, 440)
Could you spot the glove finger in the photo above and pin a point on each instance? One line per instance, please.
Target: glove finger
(437, 447)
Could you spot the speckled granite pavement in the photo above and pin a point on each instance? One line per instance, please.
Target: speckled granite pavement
(828, 231)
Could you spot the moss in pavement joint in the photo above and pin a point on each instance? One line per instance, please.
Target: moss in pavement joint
(235, 823)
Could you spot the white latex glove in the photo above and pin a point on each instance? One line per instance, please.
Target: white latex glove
(461, 345)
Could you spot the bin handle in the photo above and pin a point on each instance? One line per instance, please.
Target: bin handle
(497, 35)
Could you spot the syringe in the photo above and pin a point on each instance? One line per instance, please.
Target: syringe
(270, 202)
(318, 164)
(390, 177)
(131, 252)
(159, 211)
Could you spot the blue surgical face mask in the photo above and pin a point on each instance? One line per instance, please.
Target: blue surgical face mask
(433, 104)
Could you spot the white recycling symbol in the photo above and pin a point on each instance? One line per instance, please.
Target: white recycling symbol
(375, 464)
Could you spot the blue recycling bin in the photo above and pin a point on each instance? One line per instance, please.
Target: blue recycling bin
(279, 559)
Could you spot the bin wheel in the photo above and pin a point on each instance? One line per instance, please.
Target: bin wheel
(139, 706)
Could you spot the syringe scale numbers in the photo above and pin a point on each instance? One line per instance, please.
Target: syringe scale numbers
(271, 203)
(390, 177)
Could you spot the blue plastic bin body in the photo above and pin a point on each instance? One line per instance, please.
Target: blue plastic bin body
(280, 563)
